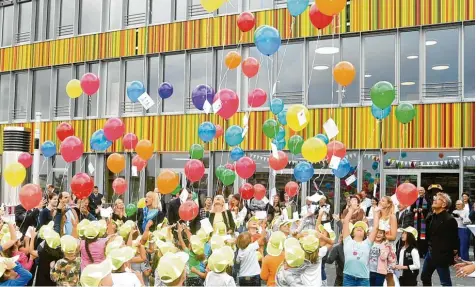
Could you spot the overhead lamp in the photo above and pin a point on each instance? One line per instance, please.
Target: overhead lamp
(367, 75)
(412, 57)
(430, 42)
(327, 50)
(321, 68)
(407, 83)
(440, 67)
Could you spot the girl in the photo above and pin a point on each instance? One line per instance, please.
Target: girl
(220, 268)
(461, 216)
(122, 275)
(249, 274)
(380, 256)
(66, 270)
(48, 213)
(22, 250)
(12, 274)
(370, 211)
(388, 223)
(194, 249)
(409, 258)
(239, 211)
(314, 254)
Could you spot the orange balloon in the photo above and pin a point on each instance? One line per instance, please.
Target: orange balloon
(232, 60)
(144, 149)
(331, 7)
(116, 163)
(344, 73)
(167, 181)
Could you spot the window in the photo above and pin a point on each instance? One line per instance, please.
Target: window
(441, 71)
(134, 186)
(136, 12)
(113, 88)
(263, 79)
(24, 22)
(370, 165)
(261, 4)
(201, 69)
(66, 18)
(180, 10)
(225, 78)
(21, 96)
(153, 83)
(44, 20)
(160, 11)
(90, 16)
(41, 93)
(115, 14)
(86, 106)
(134, 72)
(60, 173)
(230, 7)
(196, 10)
(351, 53)
(174, 73)
(323, 90)
(61, 108)
(409, 66)
(150, 173)
(469, 63)
(346, 190)
(43, 172)
(468, 171)
(379, 61)
(290, 73)
(6, 14)
(5, 92)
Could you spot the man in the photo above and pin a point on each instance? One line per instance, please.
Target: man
(307, 214)
(443, 242)
(365, 202)
(322, 205)
(289, 206)
(51, 189)
(63, 221)
(420, 212)
(25, 219)
(95, 200)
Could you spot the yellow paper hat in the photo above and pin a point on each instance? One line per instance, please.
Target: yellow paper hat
(82, 226)
(52, 238)
(411, 230)
(102, 227)
(92, 274)
(69, 244)
(361, 224)
(252, 219)
(4, 261)
(124, 230)
(220, 228)
(293, 253)
(171, 266)
(276, 243)
(6, 237)
(165, 247)
(45, 227)
(92, 230)
(197, 245)
(217, 242)
(165, 234)
(221, 259)
(309, 243)
(327, 227)
(121, 255)
(116, 243)
(204, 236)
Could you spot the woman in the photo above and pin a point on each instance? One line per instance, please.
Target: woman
(358, 214)
(48, 213)
(119, 211)
(238, 210)
(277, 205)
(219, 214)
(205, 211)
(461, 216)
(151, 211)
(371, 210)
(83, 210)
(468, 206)
(388, 223)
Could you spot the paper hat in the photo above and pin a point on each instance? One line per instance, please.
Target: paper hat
(92, 274)
(220, 228)
(327, 227)
(45, 227)
(221, 259)
(165, 247)
(411, 230)
(197, 245)
(92, 230)
(171, 266)
(217, 242)
(309, 243)
(276, 243)
(293, 253)
(82, 226)
(121, 255)
(52, 238)
(69, 244)
(4, 261)
(361, 224)
(115, 243)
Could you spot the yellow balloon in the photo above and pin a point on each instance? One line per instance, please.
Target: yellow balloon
(212, 5)
(14, 174)
(141, 203)
(314, 150)
(297, 117)
(73, 89)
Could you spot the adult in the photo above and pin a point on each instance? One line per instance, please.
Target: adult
(219, 214)
(404, 216)
(462, 218)
(84, 211)
(48, 213)
(238, 211)
(289, 205)
(325, 208)
(207, 207)
(308, 218)
(420, 212)
(468, 205)
(95, 200)
(277, 205)
(443, 243)
(64, 215)
(433, 190)
(119, 211)
(26, 218)
(151, 211)
(369, 213)
(51, 189)
(357, 214)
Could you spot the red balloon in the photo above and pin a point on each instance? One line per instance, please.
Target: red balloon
(291, 188)
(407, 193)
(260, 191)
(71, 149)
(219, 132)
(114, 129)
(256, 98)
(82, 185)
(245, 167)
(247, 191)
(25, 159)
(230, 166)
(194, 170)
(319, 20)
(278, 163)
(441, 155)
(229, 103)
(138, 162)
(30, 196)
(129, 141)
(119, 185)
(335, 148)
(64, 130)
(250, 67)
(245, 21)
(89, 83)
(188, 210)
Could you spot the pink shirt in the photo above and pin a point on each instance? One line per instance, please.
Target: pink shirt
(24, 260)
(96, 249)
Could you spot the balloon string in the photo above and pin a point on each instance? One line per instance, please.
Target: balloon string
(285, 50)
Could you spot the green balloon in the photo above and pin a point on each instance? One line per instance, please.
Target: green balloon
(228, 177)
(295, 144)
(177, 190)
(219, 171)
(382, 94)
(405, 112)
(271, 128)
(131, 209)
(367, 176)
(196, 151)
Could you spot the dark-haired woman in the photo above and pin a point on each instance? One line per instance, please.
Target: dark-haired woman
(409, 259)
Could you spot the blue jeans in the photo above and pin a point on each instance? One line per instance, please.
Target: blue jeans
(350, 280)
(463, 234)
(429, 268)
(376, 279)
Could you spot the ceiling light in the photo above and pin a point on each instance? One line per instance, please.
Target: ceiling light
(452, 156)
(430, 42)
(327, 50)
(412, 57)
(367, 76)
(440, 67)
(181, 159)
(407, 83)
(321, 68)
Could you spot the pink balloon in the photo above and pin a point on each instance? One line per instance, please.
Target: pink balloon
(278, 163)
(246, 191)
(188, 210)
(25, 159)
(245, 167)
(119, 185)
(230, 166)
(114, 129)
(64, 130)
(335, 148)
(260, 191)
(30, 196)
(229, 103)
(219, 132)
(129, 141)
(89, 83)
(71, 149)
(194, 170)
(256, 98)
(138, 162)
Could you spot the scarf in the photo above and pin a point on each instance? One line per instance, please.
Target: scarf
(148, 215)
(424, 205)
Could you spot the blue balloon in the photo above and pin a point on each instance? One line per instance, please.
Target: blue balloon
(236, 153)
(276, 106)
(303, 171)
(207, 131)
(375, 165)
(234, 135)
(403, 154)
(280, 144)
(371, 180)
(166, 90)
(328, 185)
(282, 117)
(343, 169)
(380, 114)
(323, 137)
(296, 7)
(267, 40)
(135, 90)
(99, 141)
(281, 134)
(48, 149)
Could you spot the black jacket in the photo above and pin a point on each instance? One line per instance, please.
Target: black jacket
(173, 211)
(157, 219)
(25, 219)
(442, 237)
(227, 218)
(405, 220)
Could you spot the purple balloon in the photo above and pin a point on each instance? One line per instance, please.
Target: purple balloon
(200, 94)
(166, 90)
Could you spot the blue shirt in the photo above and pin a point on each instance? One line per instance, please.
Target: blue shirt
(356, 257)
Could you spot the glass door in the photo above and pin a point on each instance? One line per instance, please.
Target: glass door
(394, 179)
(448, 181)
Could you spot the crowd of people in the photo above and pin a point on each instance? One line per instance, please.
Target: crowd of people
(372, 242)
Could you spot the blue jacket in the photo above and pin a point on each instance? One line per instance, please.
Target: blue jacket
(23, 277)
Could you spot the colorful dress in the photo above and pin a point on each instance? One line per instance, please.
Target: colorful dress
(66, 272)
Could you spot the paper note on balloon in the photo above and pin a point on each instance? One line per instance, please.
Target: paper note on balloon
(334, 163)
(316, 197)
(274, 150)
(331, 129)
(350, 180)
(184, 195)
(206, 225)
(134, 170)
(106, 212)
(91, 168)
(217, 106)
(260, 214)
(302, 117)
(207, 107)
(146, 101)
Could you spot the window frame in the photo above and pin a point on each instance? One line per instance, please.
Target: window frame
(162, 65)
(101, 21)
(124, 99)
(15, 90)
(463, 62)
(2, 18)
(33, 94)
(18, 23)
(8, 99)
(421, 55)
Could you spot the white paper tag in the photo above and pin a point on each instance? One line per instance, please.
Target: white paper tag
(316, 197)
(274, 89)
(245, 120)
(245, 131)
(261, 214)
(284, 212)
(226, 205)
(28, 232)
(227, 237)
(265, 200)
(274, 150)
(91, 168)
(350, 180)
(206, 225)
(134, 170)
(217, 106)
(106, 212)
(146, 101)
(330, 128)
(335, 160)
(302, 118)
(207, 107)
(184, 195)
(295, 215)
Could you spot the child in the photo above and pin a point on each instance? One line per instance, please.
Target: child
(249, 274)
(381, 255)
(66, 270)
(337, 255)
(219, 264)
(12, 274)
(274, 259)
(409, 258)
(194, 249)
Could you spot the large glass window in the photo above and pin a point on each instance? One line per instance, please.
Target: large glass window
(262, 4)
(323, 56)
(225, 78)
(468, 172)
(90, 16)
(66, 18)
(469, 62)
(24, 22)
(136, 12)
(113, 88)
(290, 73)
(180, 10)
(196, 9)
(134, 72)
(201, 70)
(160, 11)
(60, 173)
(351, 53)
(153, 82)
(62, 100)
(151, 173)
(409, 66)
(230, 7)
(115, 14)
(21, 95)
(6, 13)
(174, 73)
(41, 93)
(370, 165)
(441, 71)
(86, 106)
(44, 20)
(263, 79)
(5, 92)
